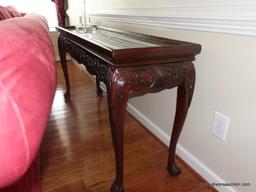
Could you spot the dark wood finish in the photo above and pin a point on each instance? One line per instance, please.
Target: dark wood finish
(131, 64)
(63, 59)
(77, 153)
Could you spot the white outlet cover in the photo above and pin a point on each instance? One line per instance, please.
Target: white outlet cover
(220, 125)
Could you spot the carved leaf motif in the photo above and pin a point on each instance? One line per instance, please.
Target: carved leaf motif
(144, 78)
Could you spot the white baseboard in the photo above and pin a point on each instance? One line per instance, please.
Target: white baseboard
(148, 124)
(68, 58)
(57, 58)
(183, 153)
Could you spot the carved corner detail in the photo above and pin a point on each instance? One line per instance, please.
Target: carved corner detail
(151, 78)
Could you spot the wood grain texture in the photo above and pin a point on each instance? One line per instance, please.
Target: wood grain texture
(77, 153)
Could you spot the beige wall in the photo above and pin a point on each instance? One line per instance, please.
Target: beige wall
(226, 82)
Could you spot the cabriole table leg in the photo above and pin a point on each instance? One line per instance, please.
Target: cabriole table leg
(117, 100)
(63, 61)
(184, 97)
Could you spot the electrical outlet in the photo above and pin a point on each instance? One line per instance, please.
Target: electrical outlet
(220, 125)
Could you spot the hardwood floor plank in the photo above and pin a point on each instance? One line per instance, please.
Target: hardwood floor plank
(77, 186)
(77, 152)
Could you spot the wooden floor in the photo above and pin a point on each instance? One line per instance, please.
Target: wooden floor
(77, 153)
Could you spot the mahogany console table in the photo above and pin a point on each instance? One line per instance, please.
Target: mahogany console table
(131, 63)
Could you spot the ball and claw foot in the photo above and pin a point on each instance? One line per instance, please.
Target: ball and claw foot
(117, 187)
(173, 170)
(67, 97)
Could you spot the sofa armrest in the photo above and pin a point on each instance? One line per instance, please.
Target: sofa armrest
(27, 87)
(8, 12)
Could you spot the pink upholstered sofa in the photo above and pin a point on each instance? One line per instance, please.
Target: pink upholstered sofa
(27, 87)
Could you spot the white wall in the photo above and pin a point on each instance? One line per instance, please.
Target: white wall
(226, 79)
(45, 8)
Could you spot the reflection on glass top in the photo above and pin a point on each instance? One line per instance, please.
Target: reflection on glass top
(114, 40)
